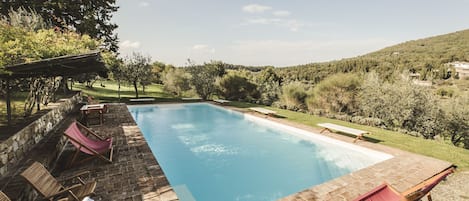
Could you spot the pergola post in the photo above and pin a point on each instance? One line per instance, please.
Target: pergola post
(8, 101)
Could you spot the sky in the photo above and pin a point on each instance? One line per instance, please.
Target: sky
(278, 32)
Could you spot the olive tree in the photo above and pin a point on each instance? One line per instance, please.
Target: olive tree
(457, 121)
(401, 104)
(236, 87)
(176, 81)
(136, 70)
(203, 77)
(268, 85)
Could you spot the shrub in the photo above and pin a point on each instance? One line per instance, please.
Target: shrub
(445, 92)
(235, 87)
(293, 96)
(336, 94)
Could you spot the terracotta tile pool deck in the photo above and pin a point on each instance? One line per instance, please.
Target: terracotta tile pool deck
(136, 175)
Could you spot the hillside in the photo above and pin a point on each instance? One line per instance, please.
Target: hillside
(424, 56)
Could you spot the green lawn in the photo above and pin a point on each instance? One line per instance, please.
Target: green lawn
(108, 93)
(432, 148)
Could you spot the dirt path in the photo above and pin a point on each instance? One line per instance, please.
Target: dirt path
(455, 188)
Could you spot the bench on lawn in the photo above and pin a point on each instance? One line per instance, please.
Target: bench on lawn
(141, 99)
(263, 111)
(330, 127)
(221, 101)
(191, 99)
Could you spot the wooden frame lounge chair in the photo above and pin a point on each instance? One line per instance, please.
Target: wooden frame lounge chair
(263, 111)
(50, 188)
(4, 197)
(94, 148)
(386, 192)
(330, 127)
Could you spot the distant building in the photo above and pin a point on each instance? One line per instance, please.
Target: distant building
(462, 68)
(414, 76)
(423, 83)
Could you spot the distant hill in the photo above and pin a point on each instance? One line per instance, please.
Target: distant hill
(425, 56)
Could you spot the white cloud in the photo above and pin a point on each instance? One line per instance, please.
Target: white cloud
(199, 47)
(256, 8)
(127, 44)
(281, 13)
(143, 4)
(202, 48)
(291, 24)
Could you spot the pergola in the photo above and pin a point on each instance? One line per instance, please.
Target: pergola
(64, 66)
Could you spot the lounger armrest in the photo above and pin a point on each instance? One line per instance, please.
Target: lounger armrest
(65, 191)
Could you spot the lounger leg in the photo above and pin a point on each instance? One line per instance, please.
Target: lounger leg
(326, 129)
(359, 137)
(73, 158)
(429, 196)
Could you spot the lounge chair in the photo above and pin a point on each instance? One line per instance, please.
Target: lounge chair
(386, 192)
(94, 148)
(50, 188)
(4, 197)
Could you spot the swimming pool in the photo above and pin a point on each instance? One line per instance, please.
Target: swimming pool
(209, 153)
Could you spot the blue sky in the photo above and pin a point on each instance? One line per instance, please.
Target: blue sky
(278, 32)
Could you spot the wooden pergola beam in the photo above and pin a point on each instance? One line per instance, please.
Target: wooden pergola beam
(8, 101)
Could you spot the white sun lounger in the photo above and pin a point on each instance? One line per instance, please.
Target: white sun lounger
(221, 101)
(263, 111)
(191, 99)
(141, 99)
(330, 127)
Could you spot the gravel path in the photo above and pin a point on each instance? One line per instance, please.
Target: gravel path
(455, 188)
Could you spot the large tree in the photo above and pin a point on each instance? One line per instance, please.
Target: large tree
(83, 16)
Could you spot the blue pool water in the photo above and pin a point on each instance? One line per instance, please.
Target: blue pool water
(212, 154)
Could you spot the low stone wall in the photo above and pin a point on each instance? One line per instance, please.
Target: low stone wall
(14, 148)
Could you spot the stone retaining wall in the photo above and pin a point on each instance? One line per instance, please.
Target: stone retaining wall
(14, 148)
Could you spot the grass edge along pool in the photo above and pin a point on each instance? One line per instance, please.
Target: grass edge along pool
(210, 153)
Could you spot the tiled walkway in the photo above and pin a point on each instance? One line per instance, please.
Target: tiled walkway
(136, 175)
